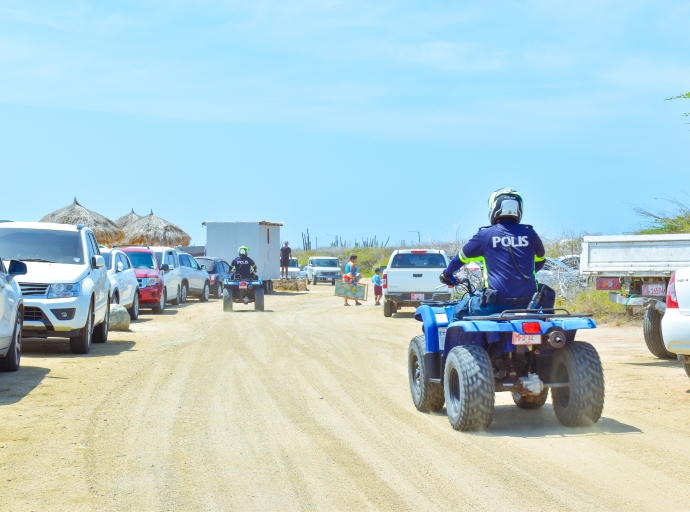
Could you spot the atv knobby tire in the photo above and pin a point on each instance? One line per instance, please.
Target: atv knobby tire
(427, 396)
(582, 403)
(652, 334)
(227, 300)
(469, 388)
(258, 299)
(534, 402)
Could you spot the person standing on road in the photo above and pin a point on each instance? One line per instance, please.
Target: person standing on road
(352, 276)
(285, 255)
(378, 287)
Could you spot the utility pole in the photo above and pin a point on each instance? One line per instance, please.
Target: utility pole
(419, 237)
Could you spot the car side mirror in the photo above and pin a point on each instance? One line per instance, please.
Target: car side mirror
(165, 267)
(97, 261)
(120, 266)
(17, 268)
(203, 267)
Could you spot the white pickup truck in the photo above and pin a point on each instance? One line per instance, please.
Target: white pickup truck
(412, 277)
(635, 270)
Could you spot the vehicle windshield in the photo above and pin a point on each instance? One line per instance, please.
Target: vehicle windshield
(293, 263)
(159, 257)
(108, 257)
(143, 260)
(42, 245)
(210, 264)
(418, 261)
(325, 262)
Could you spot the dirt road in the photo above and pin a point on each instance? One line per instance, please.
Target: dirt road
(307, 407)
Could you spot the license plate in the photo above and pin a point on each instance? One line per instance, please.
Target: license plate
(416, 296)
(526, 339)
(653, 289)
(328, 278)
(441, 337)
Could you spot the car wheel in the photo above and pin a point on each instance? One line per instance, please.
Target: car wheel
(10, 363)
(178, 299)
(219, 291)
(161, 305)
(134, 310)
(183, 294)
(100, 333)
(81, 343)
(206, 293)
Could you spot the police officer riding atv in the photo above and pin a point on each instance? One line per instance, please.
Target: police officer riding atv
(243, 285)
(506, 337)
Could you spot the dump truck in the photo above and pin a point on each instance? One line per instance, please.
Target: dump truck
(635, 270)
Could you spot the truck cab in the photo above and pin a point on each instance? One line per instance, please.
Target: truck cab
(411, 277)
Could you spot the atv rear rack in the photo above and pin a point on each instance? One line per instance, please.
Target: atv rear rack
(528, 314)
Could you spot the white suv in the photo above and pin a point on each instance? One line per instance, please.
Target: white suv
(172, 274)
(324, 268)
(66, 288)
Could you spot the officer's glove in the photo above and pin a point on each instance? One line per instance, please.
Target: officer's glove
(450, 281)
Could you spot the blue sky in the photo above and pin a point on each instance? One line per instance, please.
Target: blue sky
(349, 118)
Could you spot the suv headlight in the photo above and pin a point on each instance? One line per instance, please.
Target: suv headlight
(151, 281)
(61, 291)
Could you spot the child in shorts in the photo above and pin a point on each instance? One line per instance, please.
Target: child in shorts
(378, 288)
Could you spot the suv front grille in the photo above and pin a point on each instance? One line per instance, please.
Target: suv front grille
(29, 289)
(33, 313)
(141, 280)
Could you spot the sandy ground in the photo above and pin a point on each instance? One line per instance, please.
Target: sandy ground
(307, 407)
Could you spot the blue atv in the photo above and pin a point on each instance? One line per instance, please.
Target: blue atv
(243, 290)
(526, 352)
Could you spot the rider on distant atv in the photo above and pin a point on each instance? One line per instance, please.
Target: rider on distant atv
(511, 253)
(243, 266)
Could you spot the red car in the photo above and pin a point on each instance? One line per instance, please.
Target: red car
(149, 276)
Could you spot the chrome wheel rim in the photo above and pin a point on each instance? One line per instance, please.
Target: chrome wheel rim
(207, 292)
(184, 294)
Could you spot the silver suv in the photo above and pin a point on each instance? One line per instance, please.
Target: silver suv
(66, 288)
(195, 280)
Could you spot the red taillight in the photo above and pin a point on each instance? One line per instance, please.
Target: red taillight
(531, 327)
(418, 251)
(212, 277)
(608, 283)
(384, 281)
(671, 298)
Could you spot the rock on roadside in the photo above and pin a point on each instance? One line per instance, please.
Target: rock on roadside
(119, 318)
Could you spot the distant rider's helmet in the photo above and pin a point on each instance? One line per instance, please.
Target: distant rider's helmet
(505, 203)
(243, 251)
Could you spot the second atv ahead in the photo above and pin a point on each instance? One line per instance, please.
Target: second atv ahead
(525, 352)
(243, 290)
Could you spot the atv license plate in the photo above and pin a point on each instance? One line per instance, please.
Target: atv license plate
(416, 296)
(441, 338)
(526, 339)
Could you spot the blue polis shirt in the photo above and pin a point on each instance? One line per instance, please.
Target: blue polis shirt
(491, 247)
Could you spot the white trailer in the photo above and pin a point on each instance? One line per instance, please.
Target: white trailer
(635, 270)
(263, 239)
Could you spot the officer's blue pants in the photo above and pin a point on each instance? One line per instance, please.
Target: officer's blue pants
(471, 306)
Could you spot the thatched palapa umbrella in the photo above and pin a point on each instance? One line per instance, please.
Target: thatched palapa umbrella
(107, 233)
(127, 219)
(152, 230)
